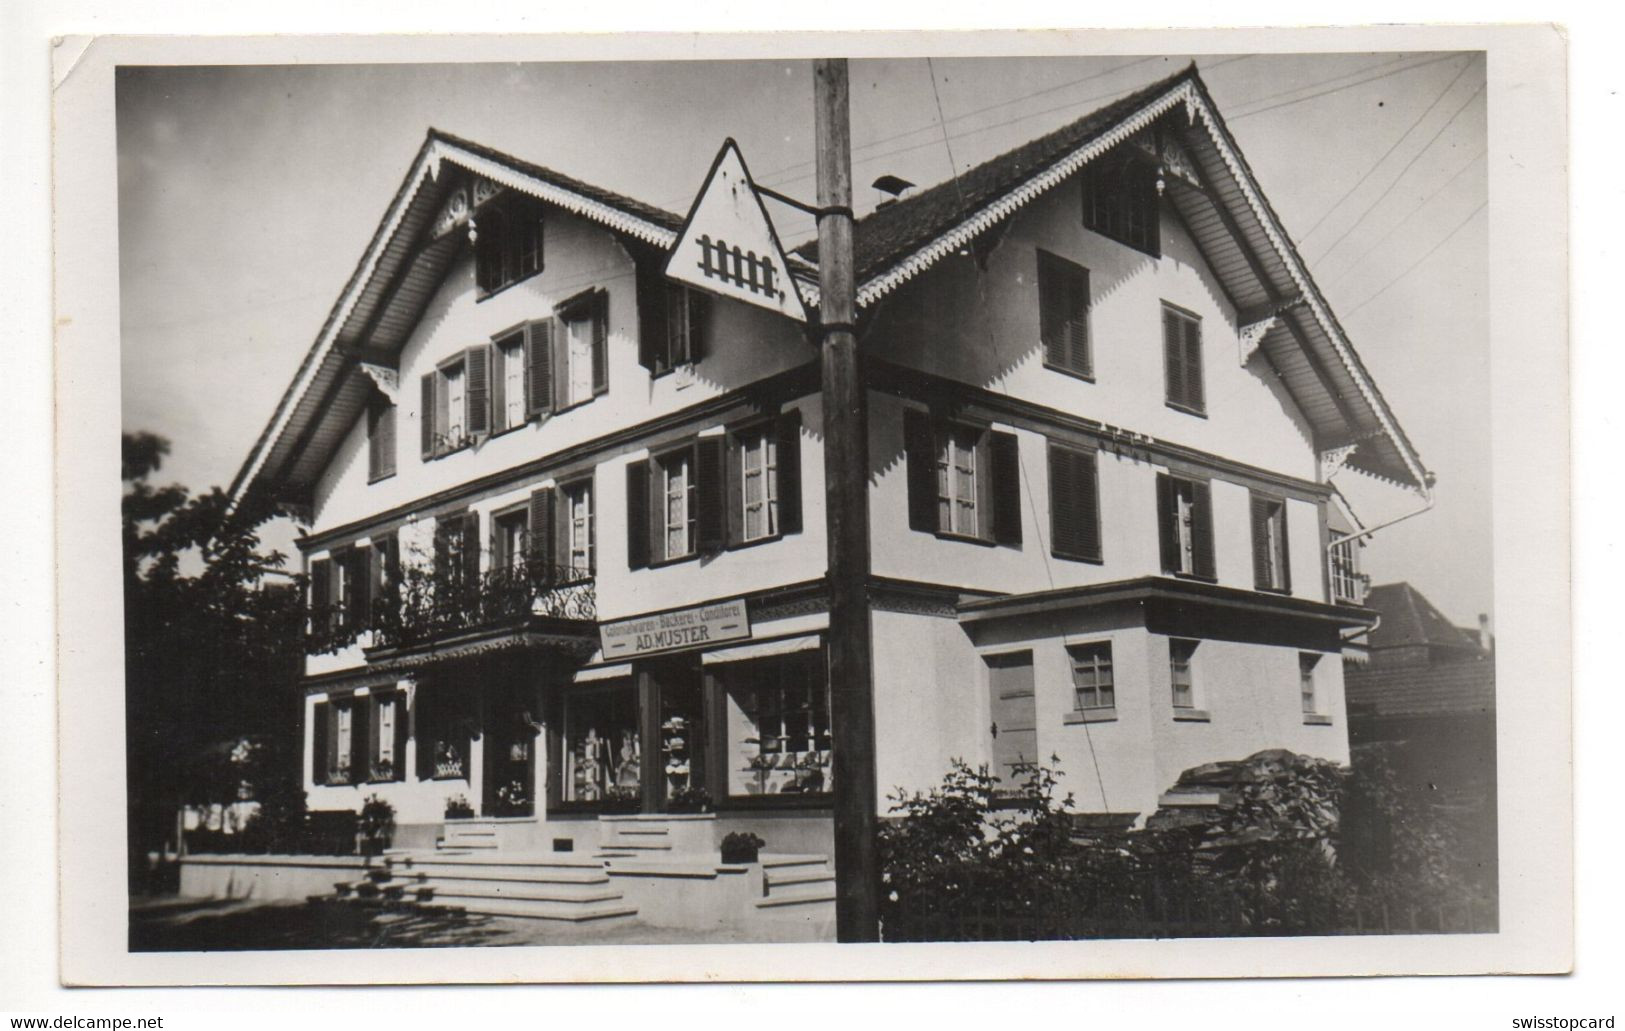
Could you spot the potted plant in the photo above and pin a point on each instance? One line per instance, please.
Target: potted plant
(689, 800)
(457, 808)
(741, 847)
(377, 826)
(513, 799)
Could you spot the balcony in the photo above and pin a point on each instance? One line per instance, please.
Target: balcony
(436, 606)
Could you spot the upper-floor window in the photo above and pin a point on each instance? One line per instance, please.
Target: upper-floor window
(1120, 201)
(580, 366)
(1182, 359)
(510, 540)
(508, 242)
(456, 402)
(380, 439)
(1074, 503)
(671, 319)
(716, 491)
(578, 551)
(1092, 676)
(963, 480)
(509, 403)
(457, 549)
(1063, 315)
(1271, 571)
(1348, 584)
(1185, 526)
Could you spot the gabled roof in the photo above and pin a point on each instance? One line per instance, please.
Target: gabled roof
(1408, 618)
(1223, 208)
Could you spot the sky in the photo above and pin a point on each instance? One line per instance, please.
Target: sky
(247, 195)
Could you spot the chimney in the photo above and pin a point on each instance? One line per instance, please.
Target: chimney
(1486, 640)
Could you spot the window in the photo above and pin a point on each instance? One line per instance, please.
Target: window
(510, 540)
(1074, 503)
(764, 479)
(344, 743)
(671, 319)
(963, 481)
(1181, 655)
(508, 242)
(759, 489)
(508, 401)
(380, 440)
(348, 739)
(676, 488)
(1182, 360)
(1270, 568)
(1063, 315)
(580, 355)
(578, 521)
(456, 398)
(1306, 680)
(1120, 200)
(339, 596)
(457, 550)
(445, 721)
(387, 751)
(1185, 517)
(778, 727)
(1092, 676)
(603, 749)
(1348, 585)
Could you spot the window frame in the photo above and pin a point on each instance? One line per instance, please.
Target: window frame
(1187, 318)
(592, 307)
(684, 308)
(1201, 511)
(1076, 653)
(1096, 192)
(1278, 561)
(1308, 662)
(1182, 653)
(508, 211)
(566, 515)
(1050, 267)
(765, 431)
(514, 340)
(1058, 451)
(382, 462)
(501, 520)
(687, 454)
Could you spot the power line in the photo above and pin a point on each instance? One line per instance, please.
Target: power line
(1388, 153)
(1360, 218)
(1413, 265)
(1339, 89)
(1405, 218)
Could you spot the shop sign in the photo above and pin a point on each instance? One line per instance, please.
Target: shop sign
(728, 245)
(667, 631)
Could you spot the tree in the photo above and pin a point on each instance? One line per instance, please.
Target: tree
(213, 643)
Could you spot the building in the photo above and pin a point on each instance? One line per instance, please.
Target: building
(565, 532)
(1426, 697)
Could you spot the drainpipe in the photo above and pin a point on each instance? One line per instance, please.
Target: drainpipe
(1427, 504)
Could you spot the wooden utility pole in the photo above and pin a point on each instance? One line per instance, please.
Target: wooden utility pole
(846, 474)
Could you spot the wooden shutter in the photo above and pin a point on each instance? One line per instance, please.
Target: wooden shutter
(1173, 357)
(360, 741)
(600, 342)
(920, 453)
(384, 573)
(471, 546)
(734, 489)
(1004, 471)
(708, 495)
(1074, 503)
(402, 732)
(1077, 321)
(542, 555)
(426, 416)
(788, 427)
(559, 521)
(1167, 519)
(381, 440)
(652, 316)
(1063, 313)
(539, 368)
(321, 716)
(1192, 350)
(1202, 529)
(655, 520)
(477, 396)
(320, 587)
(1286, 552)
(499, 388)
(637, 515)
(1259, 511)
(984, 485)
(699, 315)
(1051, 310)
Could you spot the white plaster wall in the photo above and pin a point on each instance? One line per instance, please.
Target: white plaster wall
(935, 324)
(1251, 694)
(743, 344)
(929, 707)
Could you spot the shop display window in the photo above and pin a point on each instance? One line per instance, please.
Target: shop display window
(602, 750)
(778, 726)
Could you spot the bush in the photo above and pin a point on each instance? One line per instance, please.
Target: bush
(377, 826)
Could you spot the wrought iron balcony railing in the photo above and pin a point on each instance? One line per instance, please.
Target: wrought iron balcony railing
(433, 606)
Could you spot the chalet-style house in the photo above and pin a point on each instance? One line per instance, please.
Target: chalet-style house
(564, 518)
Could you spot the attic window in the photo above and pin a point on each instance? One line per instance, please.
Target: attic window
(1120, 201)
(507, 242)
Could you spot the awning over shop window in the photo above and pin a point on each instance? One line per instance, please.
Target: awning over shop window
(762, 649)
(620, 669)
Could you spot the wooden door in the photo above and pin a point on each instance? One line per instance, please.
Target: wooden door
(1014, 711)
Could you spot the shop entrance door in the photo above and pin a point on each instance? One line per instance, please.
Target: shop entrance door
(510, 742)
(1014, 710)
(679, 733)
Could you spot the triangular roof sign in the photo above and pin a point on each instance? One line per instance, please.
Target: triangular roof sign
(728, 246)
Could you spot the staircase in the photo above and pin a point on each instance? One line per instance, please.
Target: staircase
(479, 881)
(471, 835)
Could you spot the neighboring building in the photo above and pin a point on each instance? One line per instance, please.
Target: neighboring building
(1105, 404)
(1428, 693)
